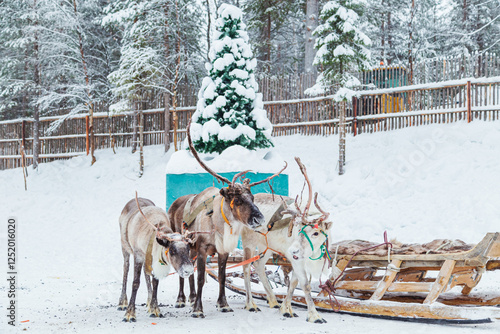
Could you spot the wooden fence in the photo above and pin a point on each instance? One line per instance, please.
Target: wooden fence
(376, 110)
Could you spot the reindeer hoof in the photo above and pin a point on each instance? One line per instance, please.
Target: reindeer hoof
(122, 308)
(180, 304)
(225, 309)
(129, 319)
(290, 315)
(153, 315)
(254, 309)
(276, 306)
(317, 321)
(198, 314)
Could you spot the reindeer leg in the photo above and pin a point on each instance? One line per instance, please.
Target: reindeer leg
(222, 304)
(286, 305)
(122, 303)
(260, 267)
(130, 314)
(312, 313)
(154, 309)
(192, 290)
(150, 292)
(198, 306)
(181, 298)
(250, 304)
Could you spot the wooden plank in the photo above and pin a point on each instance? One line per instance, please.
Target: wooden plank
(384, 285)
(441, 282)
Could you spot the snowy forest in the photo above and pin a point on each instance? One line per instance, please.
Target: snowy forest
(73, 56)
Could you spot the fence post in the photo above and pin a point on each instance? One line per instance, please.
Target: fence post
(469, 104)
(87, 133)
(355, 115)
(23, 134)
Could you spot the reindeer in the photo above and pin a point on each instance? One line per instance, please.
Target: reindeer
(303, 243)
(218, 226)
(147, 234)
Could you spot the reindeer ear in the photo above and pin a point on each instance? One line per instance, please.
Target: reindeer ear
(328, 225)
(224, 192)
(192, 236)
(165, 243)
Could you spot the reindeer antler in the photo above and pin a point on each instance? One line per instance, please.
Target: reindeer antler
(325, 214)
(238, 175)
(270, 177)
(142, 213)
(202, 164)
(304, 172)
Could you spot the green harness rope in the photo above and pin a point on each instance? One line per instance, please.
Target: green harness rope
(323, 247)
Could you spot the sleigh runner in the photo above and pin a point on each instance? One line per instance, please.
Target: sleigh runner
(415, 282)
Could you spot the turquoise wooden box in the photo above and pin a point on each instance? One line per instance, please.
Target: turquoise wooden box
(184, 184)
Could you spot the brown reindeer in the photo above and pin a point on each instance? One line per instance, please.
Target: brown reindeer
(218, 226)
(147, 234)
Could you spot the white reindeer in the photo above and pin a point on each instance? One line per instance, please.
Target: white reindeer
(304, 244)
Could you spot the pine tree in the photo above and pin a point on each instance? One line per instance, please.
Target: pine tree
(230, 111)
(275, 28)
(342, 48)
(150, 48)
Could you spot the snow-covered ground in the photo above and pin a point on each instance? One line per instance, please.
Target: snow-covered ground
(419, 184)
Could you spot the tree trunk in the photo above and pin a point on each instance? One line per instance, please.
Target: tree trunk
(389, 37)
(382, 28)
(208, 29)
(141, 142)
(36, 79)
(268, 42)
(167, 121)
(176, 78)
(410, 42)
(90, 102)
(311, 24)
(166, 46)
(134, 126)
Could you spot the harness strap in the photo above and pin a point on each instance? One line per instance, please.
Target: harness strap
(224, 216)
(188, 218)
(148, 264)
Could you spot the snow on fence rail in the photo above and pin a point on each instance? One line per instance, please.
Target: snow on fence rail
(376, 110)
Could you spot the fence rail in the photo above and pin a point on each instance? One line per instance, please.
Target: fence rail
(376, 110)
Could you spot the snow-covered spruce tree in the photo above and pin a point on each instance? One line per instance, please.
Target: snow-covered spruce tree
(341, 52)
(230, 111)
(342, 49)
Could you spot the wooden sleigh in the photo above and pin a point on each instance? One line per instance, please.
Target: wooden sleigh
(416, 287)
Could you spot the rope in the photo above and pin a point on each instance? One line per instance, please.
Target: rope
(329, 286)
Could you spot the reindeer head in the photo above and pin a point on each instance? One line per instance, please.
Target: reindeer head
(311, 232)
(238, 201)
(176, 252)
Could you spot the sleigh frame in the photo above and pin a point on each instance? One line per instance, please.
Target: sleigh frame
(416, 289)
